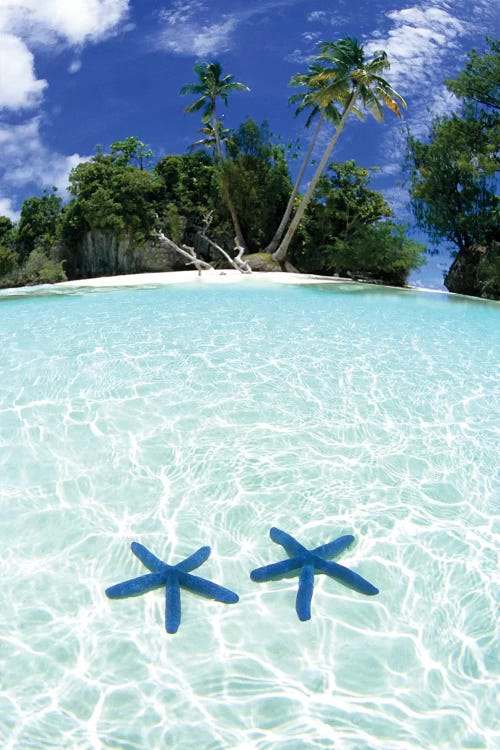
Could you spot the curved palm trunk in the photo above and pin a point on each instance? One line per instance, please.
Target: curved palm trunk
(225, 190)
(282, 250)
(288, 210)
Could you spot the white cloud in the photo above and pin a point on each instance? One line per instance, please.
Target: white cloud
(19, 87)
(420, 38)
(299, 56)
(70, 21)
(27, 160)
(318, 16)
(189, 28)
(7, 209)
(199, 41)
(75, 66)
(25, 25)
(311, 36)
(424, 43)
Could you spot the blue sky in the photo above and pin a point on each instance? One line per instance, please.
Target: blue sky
(74, 74)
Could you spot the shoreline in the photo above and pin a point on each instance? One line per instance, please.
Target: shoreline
(214, 276)
(223, 275)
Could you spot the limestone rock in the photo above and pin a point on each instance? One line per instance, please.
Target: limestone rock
(264, 262)
(476, 272)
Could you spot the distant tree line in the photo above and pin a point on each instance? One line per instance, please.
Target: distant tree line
(233, 190)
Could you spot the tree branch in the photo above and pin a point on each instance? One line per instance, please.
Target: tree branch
(236, 262)
(186, 252)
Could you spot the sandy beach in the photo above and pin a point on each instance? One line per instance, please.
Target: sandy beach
(216, 276)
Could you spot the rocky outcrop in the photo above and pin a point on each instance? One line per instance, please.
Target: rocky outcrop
(476, 272)
(264, 262)
(101, 254)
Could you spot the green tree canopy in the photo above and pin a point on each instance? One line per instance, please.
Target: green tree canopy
(346, 230)
(131, 149)
(452, 172)
(39, 224)
(258, 179)
(7, 230)
(452, 196)
(479, 82)
(111, 197)
(190, 183)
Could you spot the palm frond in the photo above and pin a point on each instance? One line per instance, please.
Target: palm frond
(371, 102)
(192, 88)
(196, 106)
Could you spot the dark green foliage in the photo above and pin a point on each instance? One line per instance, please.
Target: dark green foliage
(112, 198)
(380, 251)
(173, 223)
(131, 149)
(452, 173)
(350, 203)
(452, 194)
(258, 180)
(40, 269)
(479, 82)
(345, 232)
(476, 272)
(39, 224)
(190, 183)
(8, 256)
(8, 260)
(7, 232)
(488, 273)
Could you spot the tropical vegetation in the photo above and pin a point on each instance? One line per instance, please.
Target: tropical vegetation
(232, 193)
(453, 176)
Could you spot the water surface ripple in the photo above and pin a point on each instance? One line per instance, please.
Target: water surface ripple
(189, 415)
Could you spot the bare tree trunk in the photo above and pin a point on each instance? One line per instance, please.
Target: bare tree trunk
(237, 263)
(282, 250)
(225, 189)
(186, 252)
(288, 210)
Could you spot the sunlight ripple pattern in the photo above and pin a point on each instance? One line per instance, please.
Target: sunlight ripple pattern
(191, 415)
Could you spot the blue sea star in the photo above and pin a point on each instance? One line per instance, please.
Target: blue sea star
(172, 577)
(310, 562)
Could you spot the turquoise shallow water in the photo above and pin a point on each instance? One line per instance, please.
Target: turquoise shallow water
(196, 414)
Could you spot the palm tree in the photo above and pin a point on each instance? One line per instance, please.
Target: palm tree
(212, 86)
(327, 112)
(349, 79)
(209, 139)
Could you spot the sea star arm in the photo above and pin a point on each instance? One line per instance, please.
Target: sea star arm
(152, 563)
(194, 560)
(305, 592)
(136, 586)
(348, 577)
(291, 545)
(276, 570)
(172, 603)
(207, 588)
(332, 549)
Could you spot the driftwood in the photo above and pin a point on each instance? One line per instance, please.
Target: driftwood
(236, 262)
(186, 252)
(192, 259)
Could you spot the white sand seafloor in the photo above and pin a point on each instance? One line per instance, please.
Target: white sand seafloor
(142, 408)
